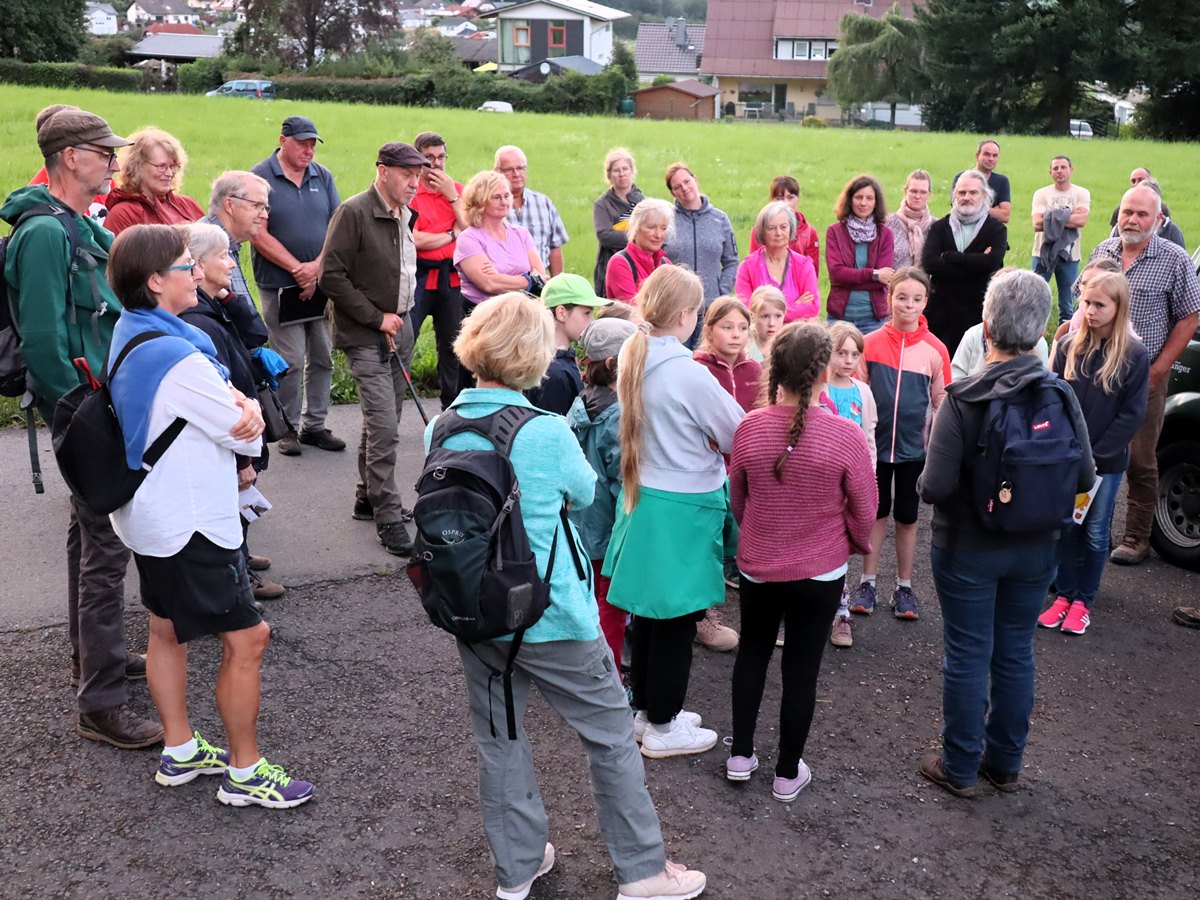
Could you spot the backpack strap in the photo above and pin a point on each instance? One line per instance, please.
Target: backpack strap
(77, 254)
(159, 446)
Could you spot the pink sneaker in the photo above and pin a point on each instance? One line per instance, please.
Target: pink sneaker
(1053, 617)
(1077, 619)
(675, 882)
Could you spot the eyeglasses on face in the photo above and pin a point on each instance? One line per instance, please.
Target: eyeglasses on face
(434, 157)
(258, 207)
(184, 267)
(513, 170)
(111, 154)
(169, 168)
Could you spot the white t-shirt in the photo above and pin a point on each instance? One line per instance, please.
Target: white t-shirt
(194, 485)
(1050, 197)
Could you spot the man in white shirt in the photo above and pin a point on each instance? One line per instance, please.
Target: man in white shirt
(1067, 206)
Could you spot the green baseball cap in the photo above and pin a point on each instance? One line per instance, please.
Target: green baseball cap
(567, 289)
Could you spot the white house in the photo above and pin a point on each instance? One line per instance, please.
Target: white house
(101, 18)
(455, 27)
(172, 12)
(546, 29)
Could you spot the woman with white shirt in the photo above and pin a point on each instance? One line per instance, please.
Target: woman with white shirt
(183, 523)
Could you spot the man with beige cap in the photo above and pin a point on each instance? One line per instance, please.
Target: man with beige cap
(64, 309)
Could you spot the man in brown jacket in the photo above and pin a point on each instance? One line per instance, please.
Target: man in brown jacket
(368, 271)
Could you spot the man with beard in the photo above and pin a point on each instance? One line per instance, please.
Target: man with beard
(1164, 299)
(961, 253)
(986, 157)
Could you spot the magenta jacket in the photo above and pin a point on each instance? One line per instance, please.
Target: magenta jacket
(740, 380)
(619, 282)
(844, 274)
(799, 279)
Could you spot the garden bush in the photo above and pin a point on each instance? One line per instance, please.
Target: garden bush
(69, 75)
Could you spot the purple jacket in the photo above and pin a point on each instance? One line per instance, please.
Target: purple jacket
(844, 274)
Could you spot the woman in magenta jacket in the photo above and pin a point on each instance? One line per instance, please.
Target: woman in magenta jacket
(858, 254)
(776, 264)
(651, 224)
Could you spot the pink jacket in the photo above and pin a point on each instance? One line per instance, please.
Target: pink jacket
(741, 379)
(619, 282)
(844, 274)
(799, 279)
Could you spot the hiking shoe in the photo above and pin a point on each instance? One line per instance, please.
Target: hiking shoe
(715, 635)
(641, 720)
(1077, 619)
(785, 790)
(135, 669)
(675, 881)
(1130, 553)
(676, 739)
(269, 786)
(733, 578)
(1053, 617)
(363, 510)
(840, 635)
(931, 768)
(121, 727)
(290, 445)
(1001, 781)
(258, 563)
(207, 760)
(521, 891)
(904, 604)
(1187, 616)
(740, 768)
(324, 439)
(395, 538)
(264, 588)
(862, 601)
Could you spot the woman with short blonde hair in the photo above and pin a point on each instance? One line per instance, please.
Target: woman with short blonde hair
(144, 191)
(612, 209)
(493, 256)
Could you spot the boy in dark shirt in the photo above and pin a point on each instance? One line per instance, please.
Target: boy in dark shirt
(571, 301)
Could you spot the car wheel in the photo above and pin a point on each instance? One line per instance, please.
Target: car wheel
(1176, 532)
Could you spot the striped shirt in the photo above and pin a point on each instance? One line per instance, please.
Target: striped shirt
(538, 215)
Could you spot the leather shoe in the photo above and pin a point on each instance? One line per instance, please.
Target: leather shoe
(931, 768)
(135, 669)
(264, 588)
(121, 727)
(324, 439)
(363, 510)
(258, 563)
(395, 538)
(290, 445)
(1129, 553)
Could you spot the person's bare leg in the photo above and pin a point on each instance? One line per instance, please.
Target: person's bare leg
(166, 675)
(906, 549)
(878, 534)
(238, 690)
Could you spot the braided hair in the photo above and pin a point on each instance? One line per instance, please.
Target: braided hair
(799, 355)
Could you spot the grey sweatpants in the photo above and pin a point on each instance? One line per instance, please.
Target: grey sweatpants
(579, 680)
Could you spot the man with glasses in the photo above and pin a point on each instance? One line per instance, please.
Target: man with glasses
(64, 309)
(287, 259)
(533, 211)
(439, 295)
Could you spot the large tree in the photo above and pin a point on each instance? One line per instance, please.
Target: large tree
(41, 30)
(877, 59)
(1166, 64)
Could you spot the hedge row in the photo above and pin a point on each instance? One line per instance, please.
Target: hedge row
(69, 75)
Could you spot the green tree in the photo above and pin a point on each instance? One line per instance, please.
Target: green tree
(877, 59)
(1167, 65)
(41, 30)
(623, 59)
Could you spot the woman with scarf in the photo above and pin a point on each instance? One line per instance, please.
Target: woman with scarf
(610, 212)
(859, 254)
(183, 524)
(962, 251)
(911, 222)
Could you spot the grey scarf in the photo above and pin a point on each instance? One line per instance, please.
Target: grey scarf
(966, 227)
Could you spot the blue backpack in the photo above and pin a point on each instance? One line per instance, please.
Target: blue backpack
(1025, 472)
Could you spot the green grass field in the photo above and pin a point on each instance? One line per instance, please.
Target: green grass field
(734, 162)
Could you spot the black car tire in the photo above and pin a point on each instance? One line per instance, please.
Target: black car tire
(1176, 531)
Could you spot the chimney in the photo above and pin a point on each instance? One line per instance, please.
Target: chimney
(681, 40)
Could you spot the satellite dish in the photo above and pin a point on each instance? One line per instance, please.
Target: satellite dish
(544, 68)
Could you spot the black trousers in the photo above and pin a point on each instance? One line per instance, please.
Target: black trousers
(806, 609)
(661, 663)
(443, 304)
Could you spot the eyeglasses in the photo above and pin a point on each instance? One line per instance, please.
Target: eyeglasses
(165, 168)
(186, 267)
(111, 154)
(434, 158)
(258, 207)
(513, 170)
(623, 170)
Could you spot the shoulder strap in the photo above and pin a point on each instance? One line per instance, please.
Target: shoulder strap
(136, 341)
(632, 268)
(500, 427)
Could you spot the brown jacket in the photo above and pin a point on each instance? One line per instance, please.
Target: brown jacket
(368, 267)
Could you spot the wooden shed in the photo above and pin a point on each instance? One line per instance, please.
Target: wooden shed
(688, 99)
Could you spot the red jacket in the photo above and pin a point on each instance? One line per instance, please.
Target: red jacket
(137, 209)
(741, 379)
(844, 274)
(807, 242)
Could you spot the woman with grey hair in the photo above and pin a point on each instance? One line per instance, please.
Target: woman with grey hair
(777, 265)
(651, 224)
(991, 584)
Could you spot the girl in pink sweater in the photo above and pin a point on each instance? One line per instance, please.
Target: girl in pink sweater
(796, 468)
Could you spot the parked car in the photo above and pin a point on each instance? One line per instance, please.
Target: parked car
(1176, 531)
(496, 106)
(1081, 129)
(243, 87)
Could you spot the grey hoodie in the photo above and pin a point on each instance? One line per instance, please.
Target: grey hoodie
(704, 242)
(956, 428)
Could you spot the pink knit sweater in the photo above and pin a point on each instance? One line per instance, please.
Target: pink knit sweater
(820, 513)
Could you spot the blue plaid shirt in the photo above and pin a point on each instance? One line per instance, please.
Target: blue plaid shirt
(539, 216)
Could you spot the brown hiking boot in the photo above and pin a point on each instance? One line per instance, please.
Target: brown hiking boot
(264, 588)
(714, 634)
(121, 727)
(1130, 552)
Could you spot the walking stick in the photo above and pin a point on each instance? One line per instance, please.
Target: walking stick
(408, 380)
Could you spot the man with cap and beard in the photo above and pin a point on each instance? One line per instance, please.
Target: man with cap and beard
(369, 272)
(44, 282)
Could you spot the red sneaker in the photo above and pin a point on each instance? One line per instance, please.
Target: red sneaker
(1053, 617)
(1077, 620)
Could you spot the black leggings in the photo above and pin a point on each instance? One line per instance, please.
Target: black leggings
(806, 608)
(661, 663)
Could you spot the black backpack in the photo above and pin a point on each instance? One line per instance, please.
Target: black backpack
(472, 564)
(90, 446)
(1026, 467)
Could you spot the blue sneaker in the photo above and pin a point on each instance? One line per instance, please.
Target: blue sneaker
(207, 760)
(269, 786)
(862, 601)
(904, 604)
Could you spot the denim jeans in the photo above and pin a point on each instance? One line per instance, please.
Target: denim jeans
(1083, 550)
(866, 326)
(1065, 274)
(990, 602)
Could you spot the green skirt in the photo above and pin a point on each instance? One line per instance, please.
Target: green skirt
(665, 558)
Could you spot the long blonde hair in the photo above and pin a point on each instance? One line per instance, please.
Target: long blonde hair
(1115, 287)
(667, 292)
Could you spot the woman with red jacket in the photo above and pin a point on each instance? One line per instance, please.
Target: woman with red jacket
(651, 224)
(859, 252)
(144, 190)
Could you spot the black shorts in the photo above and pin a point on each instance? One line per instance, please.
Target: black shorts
(203, 589)
(905, 475)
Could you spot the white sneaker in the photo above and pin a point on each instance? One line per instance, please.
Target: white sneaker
(520, 892)
(641, 720)
(675, 882)
(676, 739)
